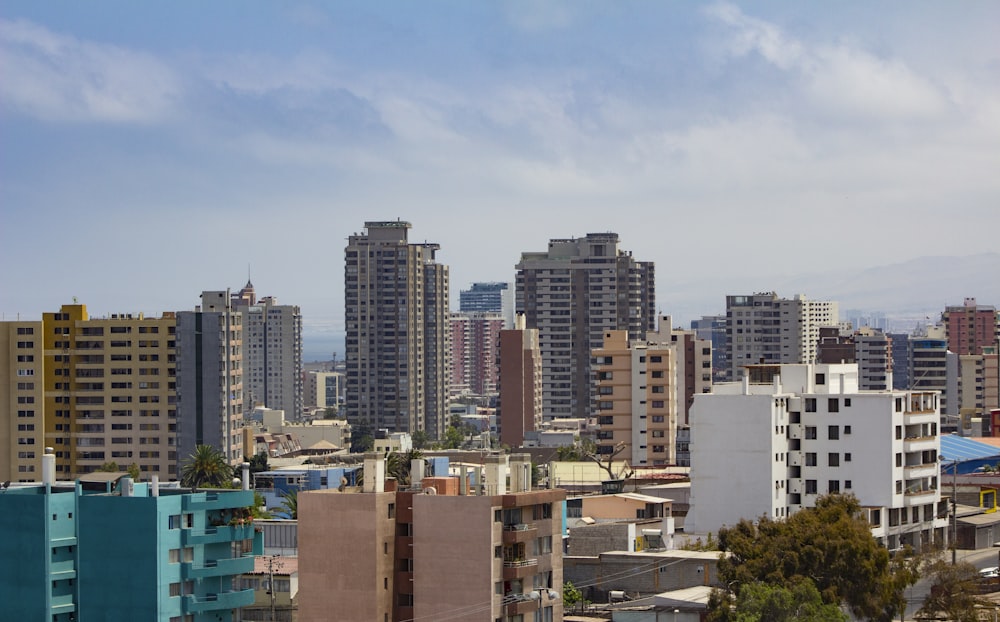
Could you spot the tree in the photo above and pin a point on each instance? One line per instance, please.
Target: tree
(420, 439)
(258, 510)
(761, 602)
(453, 438)
(397, 465)
(258, 463)
(571, 595)
(207, 466)
(134, 471)
(954, 592)
(290, 503)
(830, 545)
(108, 467)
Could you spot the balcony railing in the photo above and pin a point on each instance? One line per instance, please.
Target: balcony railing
(520, 563)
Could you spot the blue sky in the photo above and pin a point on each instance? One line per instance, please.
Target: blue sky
(149, 151)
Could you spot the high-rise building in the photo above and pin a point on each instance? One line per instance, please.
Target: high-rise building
(934, 367)
(475, 342)
(636, 398)
(970, 327)
(900, 343)
(210, 377)
(573, 293)
(493, 297)
(402, 555)
(520, 404)
(272, 353)
(98, 390)
(765, 329)
(712, 328)
(396, 315)
(773, 443)
(870, 348)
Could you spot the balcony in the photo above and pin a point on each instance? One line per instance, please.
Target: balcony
(212, 535)
(919, 443)
(519, 604)
(521, 532)
(917, 471)
(219, 567)
(519, 569)
(218, 602)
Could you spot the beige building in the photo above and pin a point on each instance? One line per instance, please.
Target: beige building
(637, 399)
(398, 334)
(96, 390)
(409, 558)
(321, 389)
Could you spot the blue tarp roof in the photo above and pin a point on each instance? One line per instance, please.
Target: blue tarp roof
(954, 447)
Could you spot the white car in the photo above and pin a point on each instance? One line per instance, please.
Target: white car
(990, 573)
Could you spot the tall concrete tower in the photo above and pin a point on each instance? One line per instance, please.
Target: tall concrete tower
(398, 333)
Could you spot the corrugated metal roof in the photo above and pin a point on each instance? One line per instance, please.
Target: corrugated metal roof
(954, 447)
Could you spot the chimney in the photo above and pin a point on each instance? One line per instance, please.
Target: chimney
(246, 475)
(374, 472)
(49, 467)
(154, 486)
(520, 473)
(416, 473)
(463, 480)
(496, 477)
(127, 487)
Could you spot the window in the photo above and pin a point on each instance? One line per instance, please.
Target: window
(834, 486)
(657, 389)
(847, 484)
(658, 449)
(392, 510)
(657, 404)
(810, 404)
(655, 359)
(820, 378)
(657, 433)
(847, 457)
(657, 418)
(847, 428)
(847, 402)
(833, 432)
(174, 556)
(810, 459)
(899, 432)
(833, 405)
(657, 373)
(833, 459)
(810, 486)
(811, 432)
(899, 460)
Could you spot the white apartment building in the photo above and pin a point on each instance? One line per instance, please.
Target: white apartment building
(272, 353)
(763, 328)
(773, 443)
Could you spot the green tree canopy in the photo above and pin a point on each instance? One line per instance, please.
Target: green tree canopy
(207, 466)
(830, 545)
(290, 503)
(258, 463)
(761, 602)
(397, 465)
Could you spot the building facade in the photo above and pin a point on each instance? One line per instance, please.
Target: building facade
(763, 328)
(114, 549)
(489, 297)
(272, 353)
(870, 348)
(520, 403)
(98, 390)
(770, 445)
(971, 327)
(396, 315)
(210, 377)
(572, 294)
(475, 350)
(410, 559)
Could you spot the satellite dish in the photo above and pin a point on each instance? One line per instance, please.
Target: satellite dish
(430, 491)
(343, 484)
(535, 595)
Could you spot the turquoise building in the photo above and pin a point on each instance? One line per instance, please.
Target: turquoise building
(104, 548)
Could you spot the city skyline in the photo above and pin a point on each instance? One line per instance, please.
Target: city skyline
(765, 140)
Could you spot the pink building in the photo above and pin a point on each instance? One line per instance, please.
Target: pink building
(475, 342)
(970, 327)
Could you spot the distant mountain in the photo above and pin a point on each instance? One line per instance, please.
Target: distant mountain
(915, 288)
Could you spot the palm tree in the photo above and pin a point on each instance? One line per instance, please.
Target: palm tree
(206, 467)
(397, 465)
(290, 503)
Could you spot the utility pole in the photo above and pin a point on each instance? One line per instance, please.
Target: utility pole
(273, 563)
(954, 512)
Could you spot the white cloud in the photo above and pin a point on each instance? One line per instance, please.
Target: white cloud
(61, 78)
(839, 80)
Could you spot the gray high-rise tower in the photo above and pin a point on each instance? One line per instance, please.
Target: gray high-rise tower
(398, 336)
(572, 293)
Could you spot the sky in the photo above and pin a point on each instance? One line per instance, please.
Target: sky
(149, 151)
